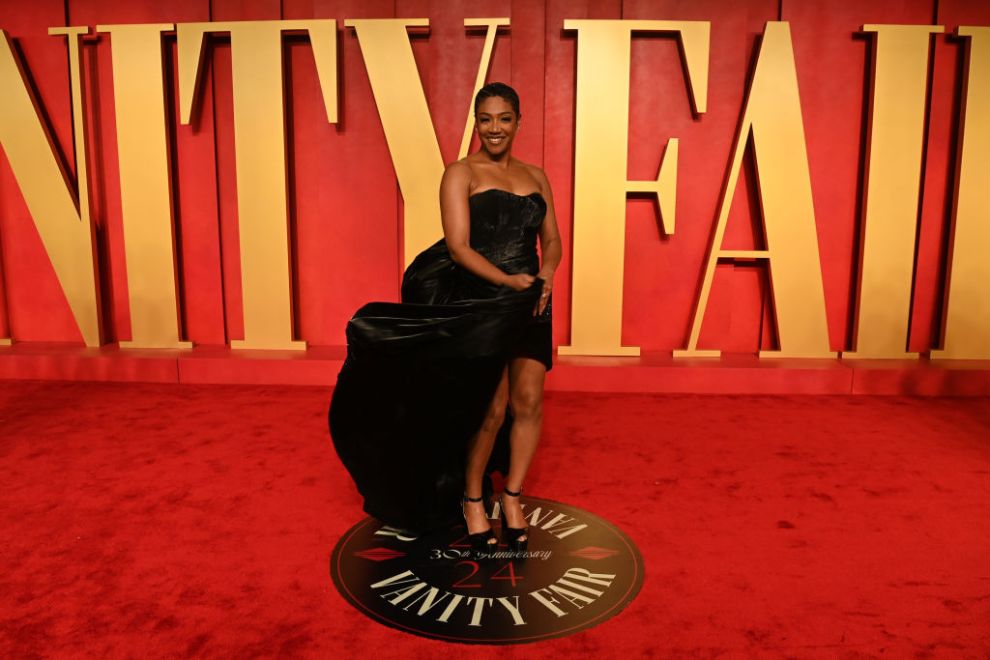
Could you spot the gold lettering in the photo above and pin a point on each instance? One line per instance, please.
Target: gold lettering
(259, 145)
(513, 609)
(772, 118)
(454, 602)
(576, 599)
(601, 166)
(574, 585)
(479, 606)
(401, 103)
(560, 526)
(399, 595)
(427, 600)
(398, 578)
(491, 26)
(966, 331)
(545, 597)
(534, 519)
(583, 574)
(893, 184)
(145, 193)
(63, 222)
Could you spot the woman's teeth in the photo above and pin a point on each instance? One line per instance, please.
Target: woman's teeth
(497, 140)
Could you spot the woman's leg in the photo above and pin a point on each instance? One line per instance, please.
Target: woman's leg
(479, 450)
(526, 377)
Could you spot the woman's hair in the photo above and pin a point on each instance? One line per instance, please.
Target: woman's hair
(500, 90)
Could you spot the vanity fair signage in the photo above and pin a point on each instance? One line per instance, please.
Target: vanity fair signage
(579, 570)
(770, 123)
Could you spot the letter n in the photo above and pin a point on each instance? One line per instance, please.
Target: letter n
(63, 223)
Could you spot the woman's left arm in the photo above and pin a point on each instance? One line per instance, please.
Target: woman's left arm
(550, 245)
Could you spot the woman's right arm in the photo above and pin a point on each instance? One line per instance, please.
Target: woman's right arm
(456, 218)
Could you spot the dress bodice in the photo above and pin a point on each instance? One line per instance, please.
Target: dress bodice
(504, 228)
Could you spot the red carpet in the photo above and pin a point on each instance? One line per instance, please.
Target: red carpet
(178, 520)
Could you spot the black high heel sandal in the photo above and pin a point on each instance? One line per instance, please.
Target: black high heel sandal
(480, 541)
(512, 535)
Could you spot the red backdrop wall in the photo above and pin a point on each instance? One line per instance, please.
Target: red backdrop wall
(345, 203)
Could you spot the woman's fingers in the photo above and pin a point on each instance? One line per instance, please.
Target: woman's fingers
(544, 300)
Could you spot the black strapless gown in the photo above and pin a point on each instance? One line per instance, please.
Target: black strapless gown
(419, 374)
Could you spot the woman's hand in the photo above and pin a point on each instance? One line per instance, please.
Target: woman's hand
(547, 277)
(519, 281)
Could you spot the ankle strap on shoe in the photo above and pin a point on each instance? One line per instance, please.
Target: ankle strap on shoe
(511, 494)
(472, 499)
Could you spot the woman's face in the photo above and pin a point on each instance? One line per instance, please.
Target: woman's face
(496, 123)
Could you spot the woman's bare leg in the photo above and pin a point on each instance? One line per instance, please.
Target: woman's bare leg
(479, 450)
(526, 377)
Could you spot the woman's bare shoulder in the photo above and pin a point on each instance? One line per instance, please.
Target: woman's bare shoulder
(535, 171)
(457, 172)
(460, 165)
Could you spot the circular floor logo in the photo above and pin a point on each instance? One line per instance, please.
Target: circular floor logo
(578, 571)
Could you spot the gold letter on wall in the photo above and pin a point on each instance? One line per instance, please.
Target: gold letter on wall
(773, 118)
(401, 102)
(259, 145)
(600, 171)
(64, 226)
(967, 315)
(897, 132)
(491, 26)
(145, 195)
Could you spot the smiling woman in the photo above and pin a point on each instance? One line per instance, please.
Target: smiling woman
(446, 387)
(498, 120)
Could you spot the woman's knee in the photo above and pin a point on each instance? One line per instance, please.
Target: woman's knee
(496, 409)
(494, 417)
(527, 403)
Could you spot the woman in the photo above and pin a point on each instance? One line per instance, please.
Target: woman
(419, 414)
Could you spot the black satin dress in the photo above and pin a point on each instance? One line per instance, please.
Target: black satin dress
(419, 374)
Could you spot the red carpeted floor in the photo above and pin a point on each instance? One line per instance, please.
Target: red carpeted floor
(171, 520)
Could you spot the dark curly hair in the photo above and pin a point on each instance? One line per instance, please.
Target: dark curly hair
(500, 90)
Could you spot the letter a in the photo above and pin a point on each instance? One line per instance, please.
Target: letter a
(773, 118)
